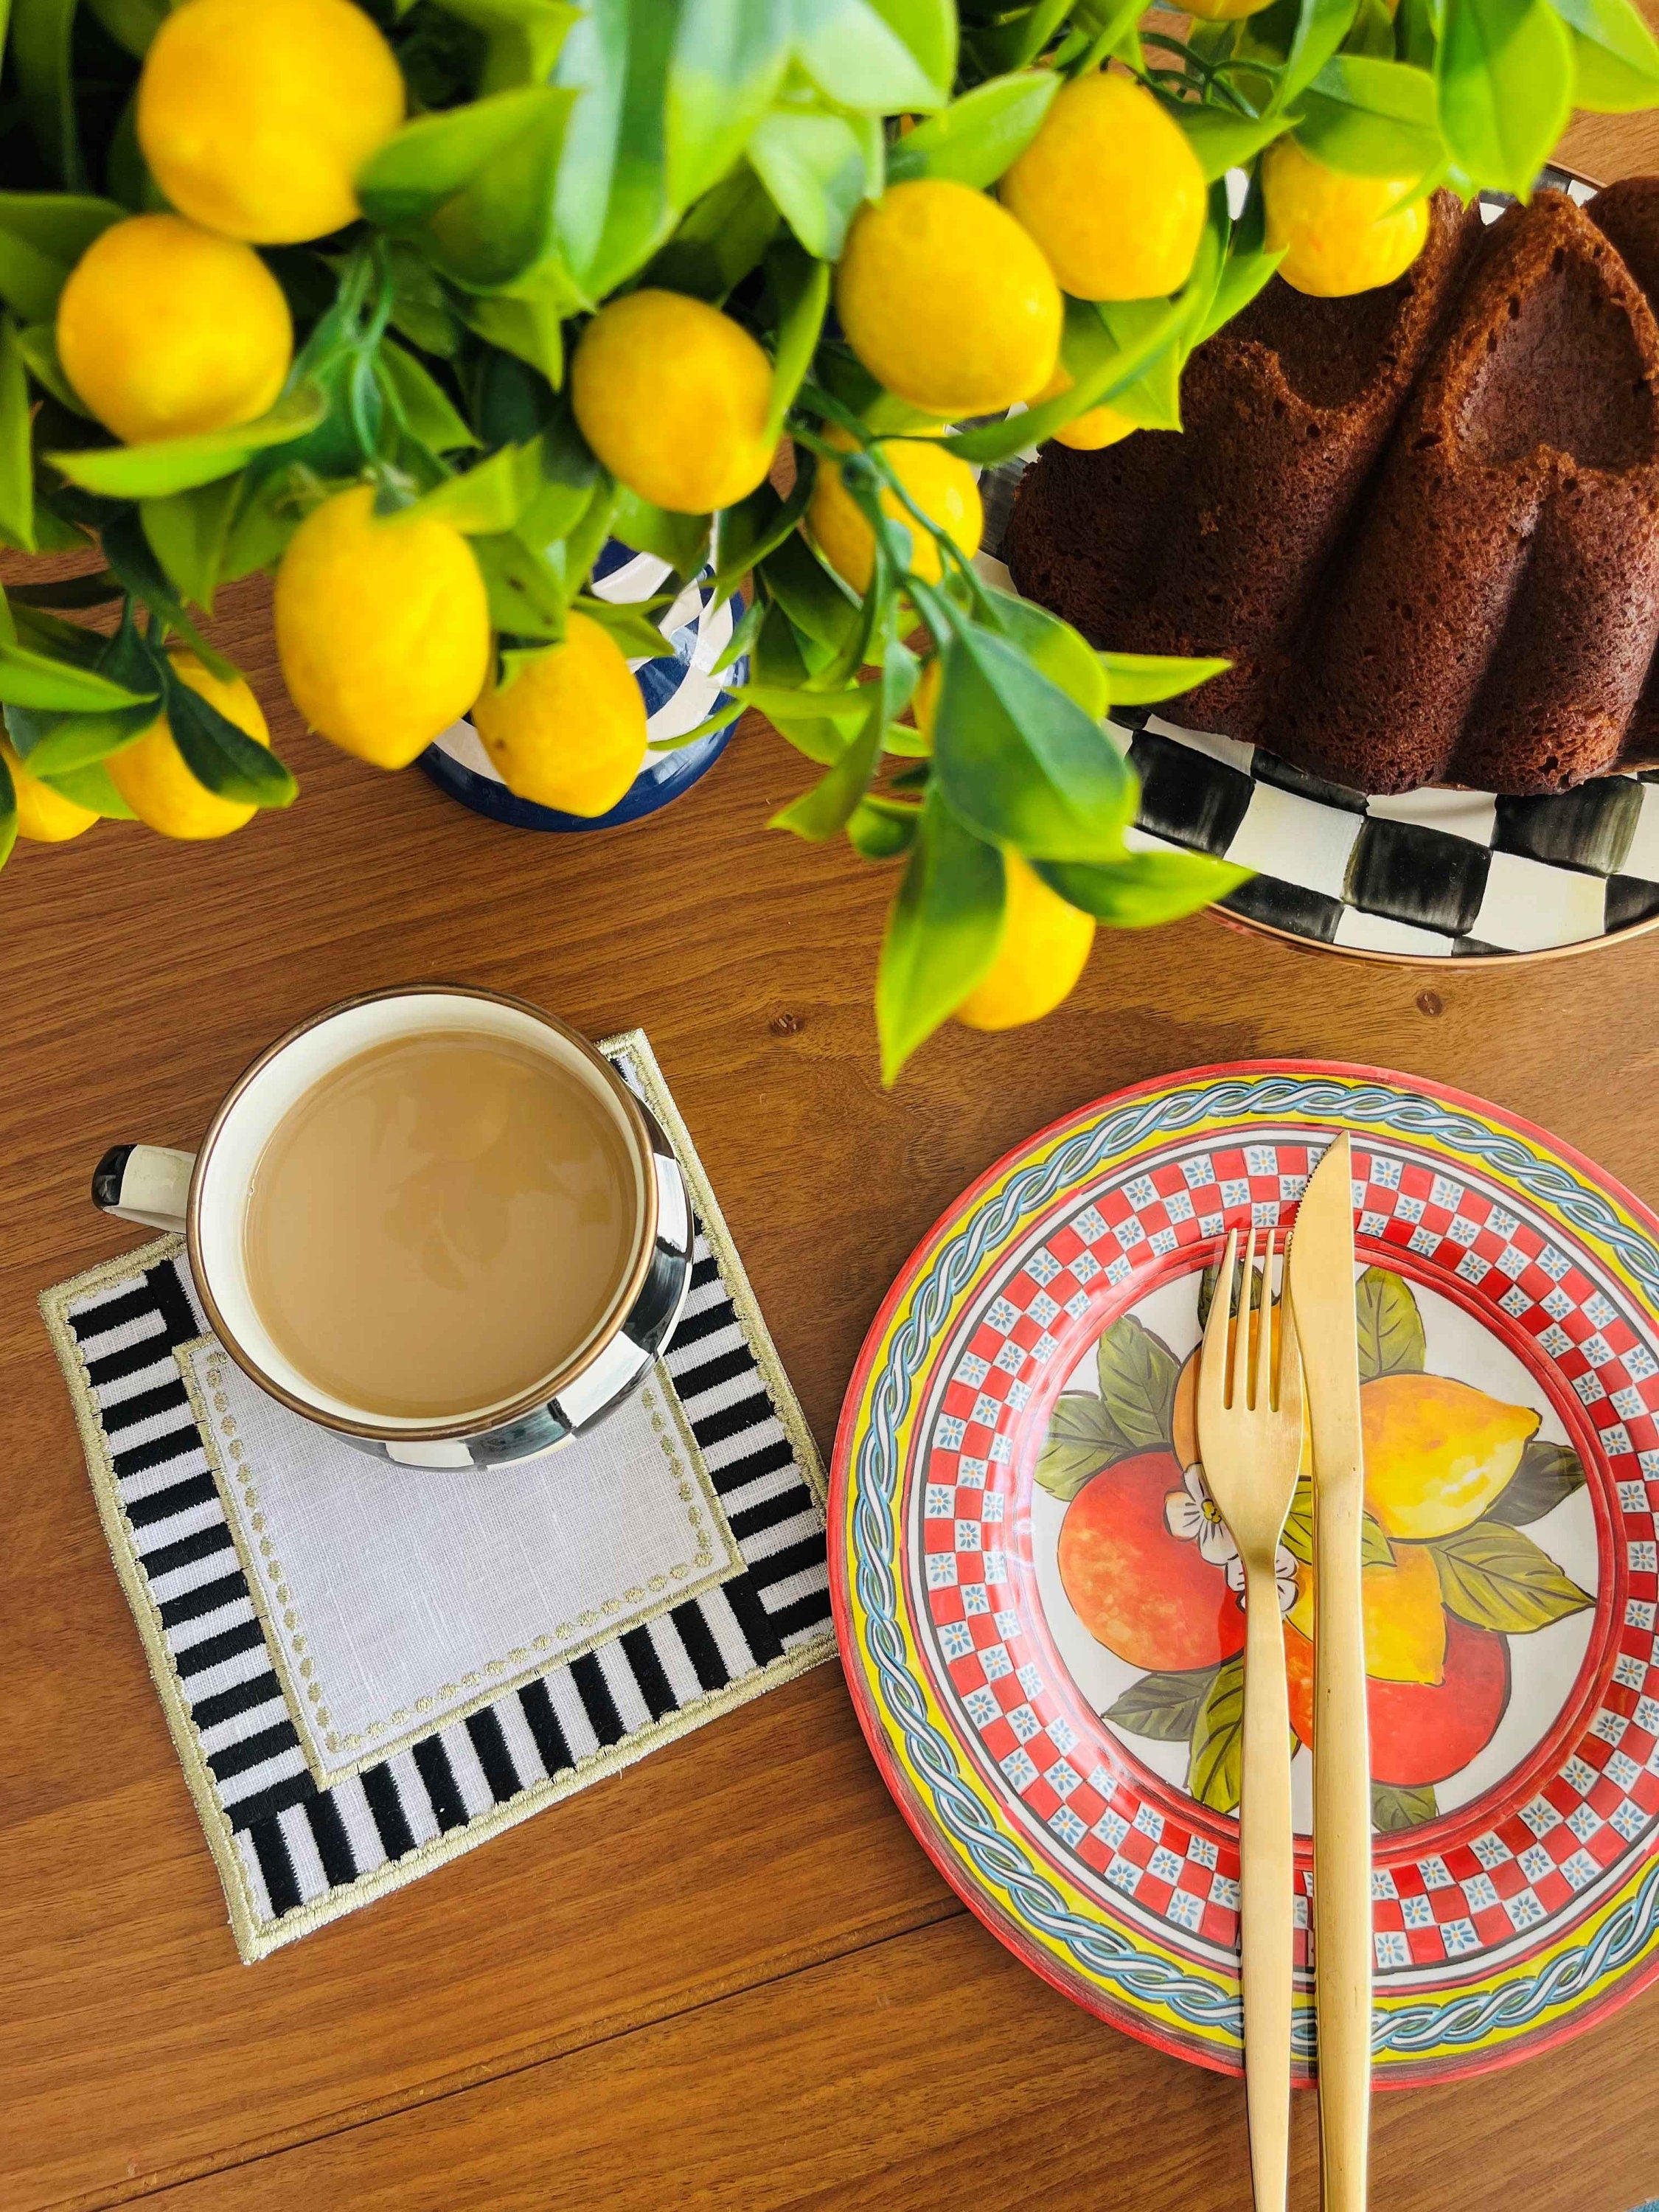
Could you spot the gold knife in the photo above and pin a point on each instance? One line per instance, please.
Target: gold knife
(1320, 1268)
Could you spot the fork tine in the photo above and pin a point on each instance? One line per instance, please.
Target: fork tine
(1213, 1366)
(1264, 1350)
(1242, 1341)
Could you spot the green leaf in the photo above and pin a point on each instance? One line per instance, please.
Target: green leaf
(41, 31)
(524, 36)
(131, 23)
(128, 552)
(682, 540)
(1372, 118)
(815, 600)
(942, 932)
(879, 56)
(92, 787)
(756, 526)
(1017, 41)
(977, 137)
(170, 464)
(1138, 1376)
(1081, 1439)
(612, 208)
(720, 239)
(1389, 1326)
(1617, 58)
(39, 347)
(822, 813)
(1100, 370)
(881, 829)
(1498, 1578)
(421, 307)
(800, 291)
(636, 632)
(525, 592)
(1547, 1474)
(1375, 1549)
(42, 236)
(1505, 74)
(526, 322)
(481, 502)
(1020, 762)
(17, 454)
(497, 228)
(1140, 679)
(29, 678)
(71, 745)
(1395, 1806)
(1215, 1767)
(222, 759)
(7, 815)
(1143, 890)
(728, 60)
(812, 166)
(187, 531)
(1152, 402)
(1319, 30)
(432, 158)
(1244, 271)
(1224, 140)
(421, 404)
(1165, 1707)
(1054, 647)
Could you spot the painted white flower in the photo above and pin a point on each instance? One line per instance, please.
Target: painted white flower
(1191, 1514)
(1284, 1576)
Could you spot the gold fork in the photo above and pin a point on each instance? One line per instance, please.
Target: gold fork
(1251, 1447)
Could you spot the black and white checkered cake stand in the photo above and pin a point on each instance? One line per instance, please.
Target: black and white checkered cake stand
(1435, 875)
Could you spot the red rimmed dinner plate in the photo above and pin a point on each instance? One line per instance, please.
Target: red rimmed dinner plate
(1034, 1597)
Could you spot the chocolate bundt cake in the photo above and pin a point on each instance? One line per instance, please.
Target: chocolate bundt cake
(1422, 522)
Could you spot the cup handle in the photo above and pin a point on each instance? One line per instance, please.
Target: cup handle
(147, 1183)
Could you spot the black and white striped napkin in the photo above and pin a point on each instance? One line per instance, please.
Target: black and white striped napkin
(295, 1850)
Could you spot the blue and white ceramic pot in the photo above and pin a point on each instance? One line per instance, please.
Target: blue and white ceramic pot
(680, 692)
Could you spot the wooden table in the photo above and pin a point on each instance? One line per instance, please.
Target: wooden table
(729, 1976)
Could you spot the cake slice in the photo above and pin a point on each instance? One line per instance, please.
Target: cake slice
(1492, 615)
(1211, 540)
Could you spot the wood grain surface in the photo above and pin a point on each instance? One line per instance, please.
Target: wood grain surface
(727, 1977)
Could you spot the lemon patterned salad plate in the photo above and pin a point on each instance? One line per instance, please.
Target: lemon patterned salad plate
(1038, 1606)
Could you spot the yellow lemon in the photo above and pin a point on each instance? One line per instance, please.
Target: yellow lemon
(165, 329)
(1436, 1452)
(673, 396)
(941, 485)
(1111, 191)
(569, 731)
(1404, 1616)
(1088, 432)
(946, 300)
(43, 814)
(382, 627)
(153, 777)
(1337, 235)
(1045, 944)
(256, 119)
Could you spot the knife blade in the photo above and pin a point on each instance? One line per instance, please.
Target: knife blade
(1321, 1280)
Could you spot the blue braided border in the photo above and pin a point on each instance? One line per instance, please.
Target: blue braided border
(1101, 1953)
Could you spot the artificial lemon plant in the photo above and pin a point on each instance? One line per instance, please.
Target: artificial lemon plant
(413, 304)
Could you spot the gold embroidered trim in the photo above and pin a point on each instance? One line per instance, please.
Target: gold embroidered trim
(257, 1939)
